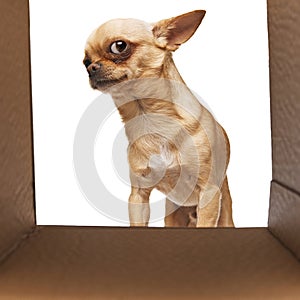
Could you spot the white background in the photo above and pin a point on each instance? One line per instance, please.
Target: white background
(226, 63)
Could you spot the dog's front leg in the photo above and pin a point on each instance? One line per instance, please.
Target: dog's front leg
(209, 207)
(139, 209)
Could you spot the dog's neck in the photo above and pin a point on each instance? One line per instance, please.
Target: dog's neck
(169, 70)
(141, 99)
(152, 93)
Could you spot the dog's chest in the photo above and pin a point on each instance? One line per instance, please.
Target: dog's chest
(151, 159)
(157, 164)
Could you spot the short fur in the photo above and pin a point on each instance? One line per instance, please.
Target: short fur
(187, 140)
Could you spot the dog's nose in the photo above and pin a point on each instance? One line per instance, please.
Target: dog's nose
(93, 68)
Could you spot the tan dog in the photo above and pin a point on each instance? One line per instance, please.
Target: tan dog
(175, 144)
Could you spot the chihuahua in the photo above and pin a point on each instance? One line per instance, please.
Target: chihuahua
(175, 144)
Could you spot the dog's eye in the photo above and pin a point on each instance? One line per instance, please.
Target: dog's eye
(87, 62)
(118, 47)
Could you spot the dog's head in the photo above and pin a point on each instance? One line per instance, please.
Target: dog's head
(124, 49)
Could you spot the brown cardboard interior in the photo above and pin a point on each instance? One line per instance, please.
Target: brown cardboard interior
(42, 262)
(284, 31)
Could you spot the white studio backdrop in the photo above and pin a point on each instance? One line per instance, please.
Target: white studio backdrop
(225, 62)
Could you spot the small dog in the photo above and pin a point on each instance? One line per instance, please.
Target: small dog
(175, 144)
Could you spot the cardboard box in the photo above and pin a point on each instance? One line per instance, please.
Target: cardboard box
(52, 262)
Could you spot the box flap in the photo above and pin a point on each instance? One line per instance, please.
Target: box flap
(119, 263)
(16, 180)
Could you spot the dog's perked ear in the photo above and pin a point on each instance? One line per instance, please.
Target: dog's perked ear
(171, 33)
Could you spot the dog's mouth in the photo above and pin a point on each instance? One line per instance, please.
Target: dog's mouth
(105, 83)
